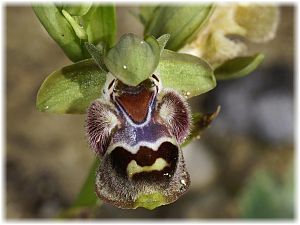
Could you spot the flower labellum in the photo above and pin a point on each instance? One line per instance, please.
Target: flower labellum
(137, 132)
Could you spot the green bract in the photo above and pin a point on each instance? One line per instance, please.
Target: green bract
(71, 89)
(87, 196)
(187, 74)
(133, 60)
(238, 67)
(72, 25)
(182, 22)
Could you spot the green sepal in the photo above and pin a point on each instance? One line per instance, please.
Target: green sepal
(238, 67)
(71, 89)
(200, 122)
(189, 75)
(182, 22)
(133, 60)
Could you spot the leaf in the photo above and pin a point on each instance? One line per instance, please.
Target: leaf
(133, 60)
(185, 73)
(71, 89)
(60, 30)
(199, 123)
(100, 24)
(238, 67)
(181, 22)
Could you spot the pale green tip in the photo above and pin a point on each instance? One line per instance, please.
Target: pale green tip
(150, 201)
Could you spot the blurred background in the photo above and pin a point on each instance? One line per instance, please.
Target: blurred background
(242, 167)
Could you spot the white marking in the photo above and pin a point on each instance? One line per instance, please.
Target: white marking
(107, 92)
(167, 111)
(134, 149)
(167, 175)
(159, 84)
(183, 182)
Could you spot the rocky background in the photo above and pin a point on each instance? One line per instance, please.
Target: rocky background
(242, 167)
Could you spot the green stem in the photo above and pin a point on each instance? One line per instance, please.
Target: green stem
(86, 199)
(87, 196)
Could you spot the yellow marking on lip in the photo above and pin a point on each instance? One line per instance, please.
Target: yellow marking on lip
(134, 168)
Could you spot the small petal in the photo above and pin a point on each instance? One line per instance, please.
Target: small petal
(100, 122)
(175, 112)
